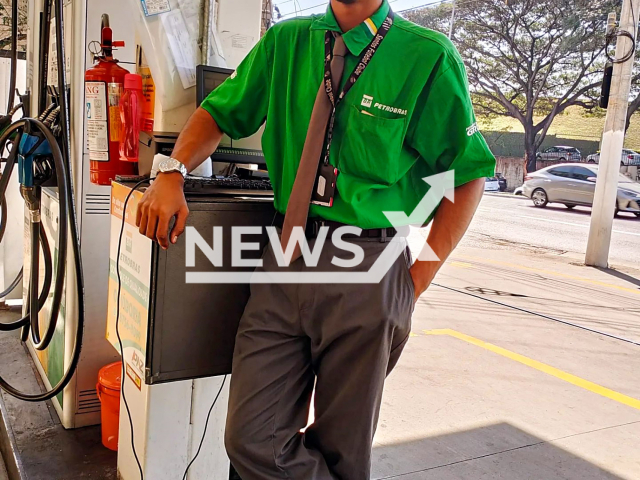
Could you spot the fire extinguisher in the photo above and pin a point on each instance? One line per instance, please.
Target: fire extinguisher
(104, 84)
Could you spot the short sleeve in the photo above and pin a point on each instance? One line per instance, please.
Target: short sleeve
(239, 106)
(443, 128)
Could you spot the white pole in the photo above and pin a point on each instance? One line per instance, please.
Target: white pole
(453, 18)
(604, 202)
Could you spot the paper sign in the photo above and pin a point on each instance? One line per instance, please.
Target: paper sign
(181, 47)
(154, 7)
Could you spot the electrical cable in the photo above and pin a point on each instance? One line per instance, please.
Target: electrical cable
(204, 433)
(121, 346)
(547, 317)
(117, 324)
(616, 33)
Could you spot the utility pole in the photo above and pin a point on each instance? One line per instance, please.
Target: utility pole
(604, 202)
(453, 19)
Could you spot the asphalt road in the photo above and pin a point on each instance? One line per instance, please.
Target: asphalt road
(509, 220)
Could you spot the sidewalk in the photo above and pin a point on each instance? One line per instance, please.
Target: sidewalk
(493, 384)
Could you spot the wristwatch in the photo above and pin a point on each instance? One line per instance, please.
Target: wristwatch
(169, 165)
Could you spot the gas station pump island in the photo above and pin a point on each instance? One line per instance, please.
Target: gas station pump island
(93, 288)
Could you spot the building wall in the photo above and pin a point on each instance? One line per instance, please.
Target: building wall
(511, 144)
(512, 168)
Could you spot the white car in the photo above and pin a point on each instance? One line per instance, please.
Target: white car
(629, 157)
(491, 184)
(575, 184)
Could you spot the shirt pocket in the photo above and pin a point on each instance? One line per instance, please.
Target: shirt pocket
(371, 147)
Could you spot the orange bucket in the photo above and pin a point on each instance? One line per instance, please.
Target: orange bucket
(108, 388)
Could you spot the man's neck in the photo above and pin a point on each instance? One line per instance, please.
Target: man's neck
(353, 14)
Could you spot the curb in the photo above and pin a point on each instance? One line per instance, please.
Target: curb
(504, 195)
(9, 447)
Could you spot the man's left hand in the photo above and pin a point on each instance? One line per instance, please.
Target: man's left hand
(422, 274)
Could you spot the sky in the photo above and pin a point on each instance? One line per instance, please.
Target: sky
(306, 7)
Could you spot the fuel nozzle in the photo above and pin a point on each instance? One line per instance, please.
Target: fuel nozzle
(35, 164)
(31, 196)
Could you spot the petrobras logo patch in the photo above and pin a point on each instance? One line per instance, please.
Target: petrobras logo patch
(473, 129)
(387, 108)
(367, 101)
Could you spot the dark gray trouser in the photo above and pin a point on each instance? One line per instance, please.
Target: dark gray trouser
(344, 337)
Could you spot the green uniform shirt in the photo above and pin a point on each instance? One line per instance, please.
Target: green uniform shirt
(409, 115)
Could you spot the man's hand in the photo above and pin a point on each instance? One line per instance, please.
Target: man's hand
(162, 201)
(422, 274)
(449, 226)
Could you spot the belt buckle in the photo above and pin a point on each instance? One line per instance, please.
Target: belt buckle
(316, 225)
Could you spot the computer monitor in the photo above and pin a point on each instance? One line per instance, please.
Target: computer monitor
(246, 150)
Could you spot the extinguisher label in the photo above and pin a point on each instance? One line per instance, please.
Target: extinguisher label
(97, 118)
(98, 141)
(115, 92)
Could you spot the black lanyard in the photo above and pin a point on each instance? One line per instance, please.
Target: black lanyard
(357, 72)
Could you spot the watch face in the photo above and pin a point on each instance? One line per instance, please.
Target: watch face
(167, 164)
(171, 165)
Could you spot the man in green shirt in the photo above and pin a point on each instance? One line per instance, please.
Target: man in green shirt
(408, 116)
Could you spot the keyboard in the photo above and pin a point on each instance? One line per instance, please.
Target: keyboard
(228, 186)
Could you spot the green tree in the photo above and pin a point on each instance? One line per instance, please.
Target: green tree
(527, 59)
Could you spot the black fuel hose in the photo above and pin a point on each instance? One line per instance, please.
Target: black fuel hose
(67, 223)
(3, 220)
(14, 55)
(7, 327)
(64, 194)
(44, 292)
(26, 125)
(34, 274)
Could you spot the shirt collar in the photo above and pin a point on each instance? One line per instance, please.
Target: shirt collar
(359, 37)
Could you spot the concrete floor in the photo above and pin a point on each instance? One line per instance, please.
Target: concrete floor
(487, 391)
(45, 449)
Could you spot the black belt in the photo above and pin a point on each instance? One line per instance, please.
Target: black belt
(314, 224)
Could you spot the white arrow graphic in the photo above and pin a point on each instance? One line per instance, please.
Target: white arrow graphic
(442, 185)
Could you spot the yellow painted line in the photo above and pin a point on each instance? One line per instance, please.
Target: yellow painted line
(550, 272)
(413, 334)
(542, 367)
(461, 264)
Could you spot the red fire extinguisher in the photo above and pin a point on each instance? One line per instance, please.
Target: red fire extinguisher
(104, 84)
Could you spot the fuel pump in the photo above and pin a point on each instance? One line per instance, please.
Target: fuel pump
(39, 149)
(104, 84)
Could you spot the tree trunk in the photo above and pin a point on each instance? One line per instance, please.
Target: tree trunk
(529, 153)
